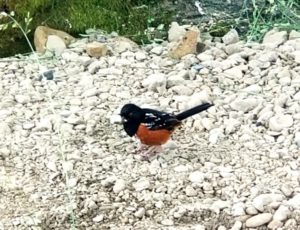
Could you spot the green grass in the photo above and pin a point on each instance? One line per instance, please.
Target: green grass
(265, 15)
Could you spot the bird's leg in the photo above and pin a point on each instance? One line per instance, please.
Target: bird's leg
(141, 148)
(151, 152)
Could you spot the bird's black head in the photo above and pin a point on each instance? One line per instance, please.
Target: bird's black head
(132, 117)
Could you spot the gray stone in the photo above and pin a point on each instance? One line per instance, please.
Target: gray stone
(55, 44)
(275, 38)
(231, 37)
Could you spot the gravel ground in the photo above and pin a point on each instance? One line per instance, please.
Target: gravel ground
(65, 164)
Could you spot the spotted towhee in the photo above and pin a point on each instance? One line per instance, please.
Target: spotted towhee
(152, 127)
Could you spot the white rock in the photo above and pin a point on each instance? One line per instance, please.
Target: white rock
(264, 117)
(141, 184)
(28, 126)
(205, 57)
(214, 135)
(84, 60)
(219, 205)
(297, 96)
(157, 50)
(22, 99)
(275, 224)
(285, 81)
(174, 80)
(72, 182)
(140, 56)
(280, 122)
(52, 166)
(69, 55)
(231, 37)
(90, 92)
(140, 212)
(122, 62)
(44, 124)
(94, 67)
(244, 105)
(115, 119)
(207, 123)
(5, 130)
(251, 210)
(181, 168)
(190, 191)
(55, 44)
(238, 209)
(258, 220)
(73, 119)
(286, 190)
(155, 82)
(199, 98)
(67, 166)
(119, 186)
(110, 180)
(252, 89)
(297, 139)
(231, 125)
(237, 225)
(175, 32)
(282, 213)
(196, 177)
(275, 38)
(264, 199)
(98, 218)
(295, 201)
(234, 73)
(182, 90)
(167, 222)
(296, 55)
(198, 227)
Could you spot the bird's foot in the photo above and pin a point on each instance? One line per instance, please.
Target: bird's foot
(141, 148)
(151, 152)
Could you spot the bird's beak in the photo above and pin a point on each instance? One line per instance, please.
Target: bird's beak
(123, 120)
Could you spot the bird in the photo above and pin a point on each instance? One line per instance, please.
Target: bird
(152, 127)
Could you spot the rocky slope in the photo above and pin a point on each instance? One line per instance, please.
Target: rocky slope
(65, 164)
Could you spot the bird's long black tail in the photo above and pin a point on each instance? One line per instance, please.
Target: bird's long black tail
(193, 111)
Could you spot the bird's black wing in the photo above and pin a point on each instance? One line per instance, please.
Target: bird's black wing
(155, 120)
